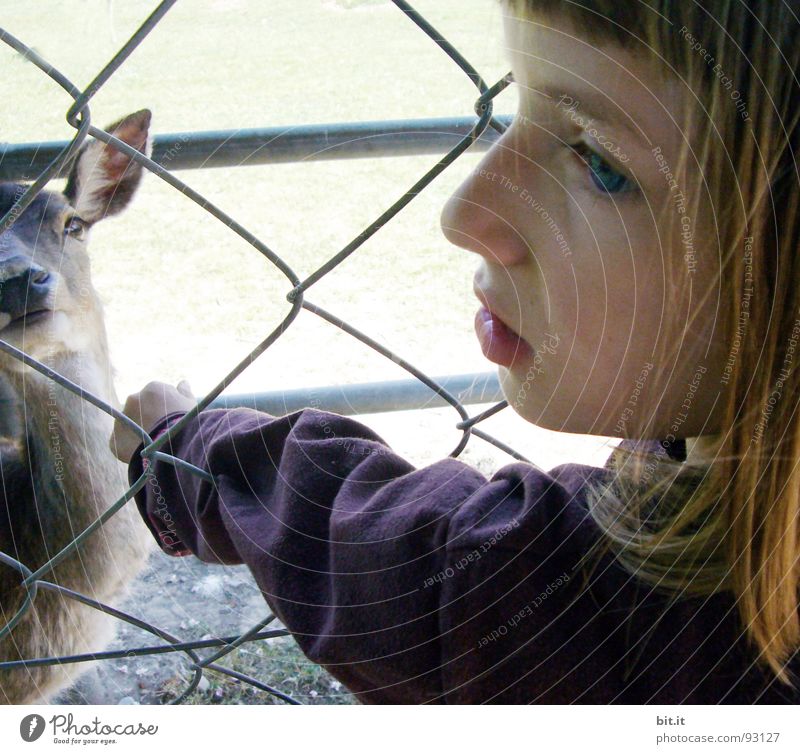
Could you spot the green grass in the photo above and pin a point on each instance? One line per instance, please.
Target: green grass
(185, 297)
(278, 663)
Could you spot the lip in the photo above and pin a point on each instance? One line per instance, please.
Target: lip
(499, 343)
(29, 319)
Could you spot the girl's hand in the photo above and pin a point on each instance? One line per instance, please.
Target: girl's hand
(155, 401)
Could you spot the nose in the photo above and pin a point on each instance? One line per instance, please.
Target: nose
(483, 213)
(24, 286)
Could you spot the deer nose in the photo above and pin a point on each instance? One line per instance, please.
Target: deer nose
(24, 287)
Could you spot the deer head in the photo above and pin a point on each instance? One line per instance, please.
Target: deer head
(48, 305)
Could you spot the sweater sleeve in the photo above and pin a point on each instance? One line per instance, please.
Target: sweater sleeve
(355, 550)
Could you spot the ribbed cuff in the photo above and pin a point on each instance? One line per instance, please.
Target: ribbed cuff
(159, 525)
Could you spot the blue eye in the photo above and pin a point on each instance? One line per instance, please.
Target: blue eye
(603, 175)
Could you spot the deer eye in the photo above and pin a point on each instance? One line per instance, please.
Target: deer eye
(75, 227)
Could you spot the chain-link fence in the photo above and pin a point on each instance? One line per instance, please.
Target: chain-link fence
(50, 161)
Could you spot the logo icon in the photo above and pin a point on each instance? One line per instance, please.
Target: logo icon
(31, 727)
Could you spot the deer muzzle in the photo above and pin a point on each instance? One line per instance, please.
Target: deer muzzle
(24, 288)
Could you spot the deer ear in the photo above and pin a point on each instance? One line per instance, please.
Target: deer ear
(102, 180)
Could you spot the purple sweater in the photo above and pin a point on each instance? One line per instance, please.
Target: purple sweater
(437, 584)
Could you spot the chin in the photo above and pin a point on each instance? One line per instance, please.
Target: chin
(534, 401)
(46, 337)
(525, 396)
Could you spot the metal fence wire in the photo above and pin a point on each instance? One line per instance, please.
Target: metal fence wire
(52, 159)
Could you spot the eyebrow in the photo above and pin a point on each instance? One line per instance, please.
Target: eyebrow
(595, 105)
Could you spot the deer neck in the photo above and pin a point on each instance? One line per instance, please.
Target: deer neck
(67, 437)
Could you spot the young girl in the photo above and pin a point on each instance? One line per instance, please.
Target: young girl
(640, 217)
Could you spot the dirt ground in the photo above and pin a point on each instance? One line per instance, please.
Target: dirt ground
(194, 601)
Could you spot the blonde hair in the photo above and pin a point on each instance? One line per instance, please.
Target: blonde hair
(728, 519)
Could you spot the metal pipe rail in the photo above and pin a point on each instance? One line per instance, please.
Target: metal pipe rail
(370, 397)
(262, 146)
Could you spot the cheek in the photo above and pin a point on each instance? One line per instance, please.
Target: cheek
(69, 337)
(73, 278)
(611, 277)
(594, 318)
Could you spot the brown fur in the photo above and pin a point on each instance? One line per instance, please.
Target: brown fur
(59, 474)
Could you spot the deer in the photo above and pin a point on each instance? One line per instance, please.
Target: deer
(57, 471)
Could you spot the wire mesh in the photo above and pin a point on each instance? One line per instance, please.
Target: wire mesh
(35, 582)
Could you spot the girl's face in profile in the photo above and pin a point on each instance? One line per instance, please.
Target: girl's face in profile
(564, 211)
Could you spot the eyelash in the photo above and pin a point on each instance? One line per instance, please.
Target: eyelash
(587, 155)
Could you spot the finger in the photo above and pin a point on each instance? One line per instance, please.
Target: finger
(133, 404)
(123, 442)
(185, 389)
